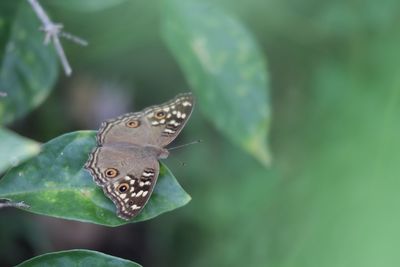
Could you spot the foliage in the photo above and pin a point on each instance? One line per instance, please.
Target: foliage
(223, 65)
(54, 183)
(85, 6)
(77, 257)
(330, 196)
(28, 69)
(15, 149)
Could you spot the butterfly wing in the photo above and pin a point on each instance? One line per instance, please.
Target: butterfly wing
(168, 120)
(108, 163)
(156, 125)
(120, 163)
(131, 193)
(126, 175)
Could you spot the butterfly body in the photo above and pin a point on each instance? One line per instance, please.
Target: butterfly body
(125, 161)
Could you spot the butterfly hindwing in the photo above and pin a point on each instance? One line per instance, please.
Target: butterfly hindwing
(126, 175)
(131, 193)
(107, 163)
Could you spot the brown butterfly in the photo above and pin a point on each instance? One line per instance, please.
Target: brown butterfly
(125, 161)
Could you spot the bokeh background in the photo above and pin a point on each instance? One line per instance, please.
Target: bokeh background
(330, 196)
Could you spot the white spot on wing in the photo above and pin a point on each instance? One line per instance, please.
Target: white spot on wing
(168, 131)
(147, 174)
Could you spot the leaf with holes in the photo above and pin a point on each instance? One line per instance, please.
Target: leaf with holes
(54, 183)
(28, 68)
(226, 68)
(14, 149)
(77, 257)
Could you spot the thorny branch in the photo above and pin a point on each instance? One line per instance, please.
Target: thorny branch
(8, 204)
(53, 31)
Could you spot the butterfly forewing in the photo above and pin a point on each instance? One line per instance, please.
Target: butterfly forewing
(156, 125)
(168, 119)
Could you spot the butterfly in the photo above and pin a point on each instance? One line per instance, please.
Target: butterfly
(125, 161)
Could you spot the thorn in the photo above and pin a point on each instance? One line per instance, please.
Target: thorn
(52, 33)
(73, 38)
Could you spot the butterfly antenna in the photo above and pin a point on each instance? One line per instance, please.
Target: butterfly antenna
(183, 164)
(180, 146)
(188, 144)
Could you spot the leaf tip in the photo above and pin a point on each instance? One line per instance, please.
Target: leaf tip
(264, 156)
(187, 199)
(258, 147)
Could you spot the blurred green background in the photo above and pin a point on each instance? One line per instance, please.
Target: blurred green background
(330, 196)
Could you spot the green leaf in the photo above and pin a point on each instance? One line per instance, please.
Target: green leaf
(28, 68)
(225, 67)
(87, 5)
(14, 149)
(54, 183)
(75, 258)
